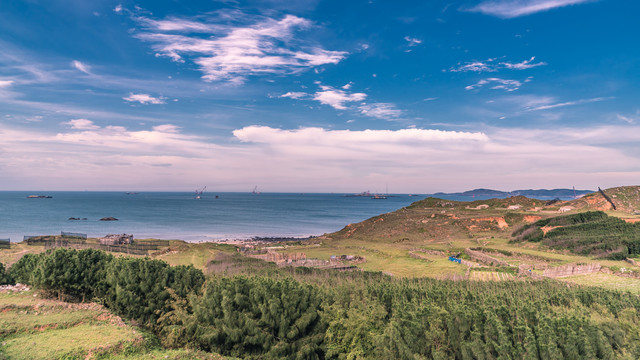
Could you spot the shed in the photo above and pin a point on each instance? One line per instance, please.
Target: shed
(116, 239)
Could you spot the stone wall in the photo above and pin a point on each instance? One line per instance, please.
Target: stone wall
(572, 269)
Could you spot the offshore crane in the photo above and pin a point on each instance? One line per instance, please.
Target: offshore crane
(199, 192)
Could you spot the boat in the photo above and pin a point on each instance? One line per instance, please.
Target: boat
(381, 196)
(199, 193)
(255, 190)
(39, 197)
(362, 194)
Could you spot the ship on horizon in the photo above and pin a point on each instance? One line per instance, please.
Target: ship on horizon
(199, 193)
(364, 193)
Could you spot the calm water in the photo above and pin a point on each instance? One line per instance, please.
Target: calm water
(165, 215)
(179, 216)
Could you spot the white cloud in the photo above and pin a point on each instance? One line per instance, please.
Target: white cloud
(568, 103)
(385, 111)
(144, 99)
(81, 124)
(233, 53)
(316, 159)
(294, 95)
(347, 86)
(6, 83)
(476, 66)
(492, 65)
(526, 64)
(118, 8)
(628, 119)
(515, 8)
(81, 66)
(413, 41)
(167, 128)
(337, 98)
(179, 25)
(348, 138)
(496, 84)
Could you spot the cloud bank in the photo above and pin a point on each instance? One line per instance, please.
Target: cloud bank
(87, 156)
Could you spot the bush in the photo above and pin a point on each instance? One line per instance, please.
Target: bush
(5, 276)
(79, 275)
(259, 317)
(138, 288)
(22, 271)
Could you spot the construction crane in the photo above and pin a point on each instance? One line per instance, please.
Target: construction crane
(199, 192)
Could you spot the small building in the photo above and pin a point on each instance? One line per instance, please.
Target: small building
(116, 239)
(565, 209)
(514, 207)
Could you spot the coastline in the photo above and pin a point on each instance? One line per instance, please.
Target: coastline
(177, 215)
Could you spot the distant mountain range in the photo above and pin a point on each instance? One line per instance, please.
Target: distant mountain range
(542, 193)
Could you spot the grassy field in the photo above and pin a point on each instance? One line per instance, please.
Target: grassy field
(17, 250)
(35, 328)
(606, 281)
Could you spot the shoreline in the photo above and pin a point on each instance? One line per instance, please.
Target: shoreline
(204, 239)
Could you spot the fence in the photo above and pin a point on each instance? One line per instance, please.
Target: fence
(75, 235)
(39, 240)
(133, 249)
(79, 242)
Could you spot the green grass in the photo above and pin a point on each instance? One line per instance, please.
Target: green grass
(36, 328)
(16, 251)
(607, 281)
(70, 343)
(29, 319)
(196, 254)
(162, 354)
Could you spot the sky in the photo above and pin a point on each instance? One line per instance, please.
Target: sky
(319, 96)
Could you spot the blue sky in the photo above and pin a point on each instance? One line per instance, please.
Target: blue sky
(319, 96)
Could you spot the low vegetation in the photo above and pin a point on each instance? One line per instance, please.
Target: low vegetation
(308, 313)
(589, 233)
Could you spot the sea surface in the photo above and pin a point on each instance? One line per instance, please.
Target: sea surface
(176, 215)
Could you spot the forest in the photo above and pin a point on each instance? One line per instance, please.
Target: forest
(590, 233)
(255, 310)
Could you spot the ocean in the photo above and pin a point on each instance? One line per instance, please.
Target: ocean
(175, 215)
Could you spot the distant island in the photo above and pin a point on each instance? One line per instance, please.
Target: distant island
(542, 193)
